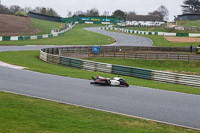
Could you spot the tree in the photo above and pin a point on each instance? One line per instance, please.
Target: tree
(14, 9)
(130, 16)
(69, 14)
(106, 13)
(92, 12)
(28, 9)
(79, 13)
(162, 12)
(119, 14)
(43, 11)
(191, 6)
(4, 10)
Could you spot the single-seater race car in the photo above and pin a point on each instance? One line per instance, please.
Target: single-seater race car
(116, 81)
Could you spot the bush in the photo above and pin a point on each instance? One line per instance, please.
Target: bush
(21, 13)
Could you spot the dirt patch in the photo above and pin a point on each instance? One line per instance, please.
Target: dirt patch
(11, 25)
(182, 39)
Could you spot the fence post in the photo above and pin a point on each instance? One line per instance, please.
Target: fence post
(167, 56)
(59, 52)
(125, 54)
(188, 57)
(146, 57)
(88, 53)
(178, 56)
(104, 53)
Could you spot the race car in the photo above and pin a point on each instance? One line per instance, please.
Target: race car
(116, 81)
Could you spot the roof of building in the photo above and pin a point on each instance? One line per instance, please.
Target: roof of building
(188, 14)
(147, 18)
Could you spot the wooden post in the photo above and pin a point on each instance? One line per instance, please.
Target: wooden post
(167, 56)
(178, 56)
(146, 57)
(188, 57)
(125, 54)
(104, 53)
(89, 54)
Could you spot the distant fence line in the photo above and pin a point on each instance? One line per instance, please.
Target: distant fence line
(130, 53)
(152, 32)
(52, 55)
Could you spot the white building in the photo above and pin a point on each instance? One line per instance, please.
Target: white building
(145, 20)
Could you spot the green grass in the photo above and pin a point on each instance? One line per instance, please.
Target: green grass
(76, 36)
(192, 67)
(162, 42)
(45, 26)
(30, 59)
(20, 114)
(195, 23)
(163, 29)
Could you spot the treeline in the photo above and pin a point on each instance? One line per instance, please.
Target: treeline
(161, 12)
(14, 9)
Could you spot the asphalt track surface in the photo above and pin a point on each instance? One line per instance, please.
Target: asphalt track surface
(123, 39)
(158, 105)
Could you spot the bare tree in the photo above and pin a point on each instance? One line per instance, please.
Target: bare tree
(4, 10)
(130, 16)
(163, 12)
(106, 13)
(14, 9)
(92, 12)
(37, 10)
(79, 13)
(28, 9)
(69, 14)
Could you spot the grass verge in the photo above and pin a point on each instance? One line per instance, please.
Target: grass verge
(30, 59)
(162, 42)
(46, 26)
(76, 36)
(20, 114)
(194, 23)
(163, 29)
(190, 67)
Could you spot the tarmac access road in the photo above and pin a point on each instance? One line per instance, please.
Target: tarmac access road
(158, 105)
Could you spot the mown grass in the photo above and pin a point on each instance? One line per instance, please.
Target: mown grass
(191, 67)
(20, 114)
(161, 41)
(163, 29)
(46, 26)
(76, 36)
(194, 23)
(30, 59)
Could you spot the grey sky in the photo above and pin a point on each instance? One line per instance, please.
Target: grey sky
(141, 7)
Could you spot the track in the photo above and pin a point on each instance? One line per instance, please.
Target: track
(124, 39)
(164, 106)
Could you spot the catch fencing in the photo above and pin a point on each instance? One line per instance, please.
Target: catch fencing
(52, 55)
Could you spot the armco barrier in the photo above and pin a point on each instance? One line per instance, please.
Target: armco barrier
(18, 38)
(175, 78)
(153, 33)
